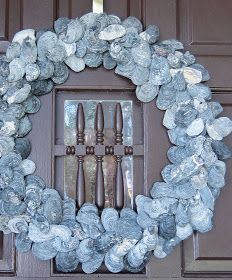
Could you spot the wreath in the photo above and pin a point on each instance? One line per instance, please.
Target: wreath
(124, 240)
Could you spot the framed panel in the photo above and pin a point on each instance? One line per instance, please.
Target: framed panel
(204, 26)
(16, 15)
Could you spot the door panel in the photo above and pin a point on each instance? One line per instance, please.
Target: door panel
(204, 26)
(16, 15)
(9, 22)
(199, 30)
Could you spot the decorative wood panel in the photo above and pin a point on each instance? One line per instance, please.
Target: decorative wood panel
(210, 254)
(21, 14)
(205, 26)
(84, 93)
(120, 89)
(9, 22)
(3, 20)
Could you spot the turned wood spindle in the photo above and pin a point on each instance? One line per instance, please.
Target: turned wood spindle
(119, 185)
(80, 126)
(99, 188)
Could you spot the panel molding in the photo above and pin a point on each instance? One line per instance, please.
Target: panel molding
(4, 24)
(8, 256)
(16, 15)
(4, 20)
(185, 28)
(195, 266)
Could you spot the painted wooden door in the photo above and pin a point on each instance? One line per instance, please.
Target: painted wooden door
(204, 26)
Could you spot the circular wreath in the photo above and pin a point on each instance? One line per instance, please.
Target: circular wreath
(50, 225)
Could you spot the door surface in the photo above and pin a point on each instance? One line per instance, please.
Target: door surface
(204, 26)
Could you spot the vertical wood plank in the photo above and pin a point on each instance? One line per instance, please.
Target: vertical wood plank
(135, 8)
(119, 8)
(41, 153)
(163, 14)
(38, 14)
(63, 8)
(3, 20)
(79, 7)
(10, 11)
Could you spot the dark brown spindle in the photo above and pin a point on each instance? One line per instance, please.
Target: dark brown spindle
(90, 150)
(99, 188)
(72, 150)
(109, 150)
(68, 150)
(128, 150)
(80, 126)
(119, 186)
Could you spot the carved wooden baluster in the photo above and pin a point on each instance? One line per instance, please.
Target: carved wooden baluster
(99, 188)
(80, 126)
(119, 186)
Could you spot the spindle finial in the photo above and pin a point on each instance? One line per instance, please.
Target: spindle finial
(80, 124)
(99, 124)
